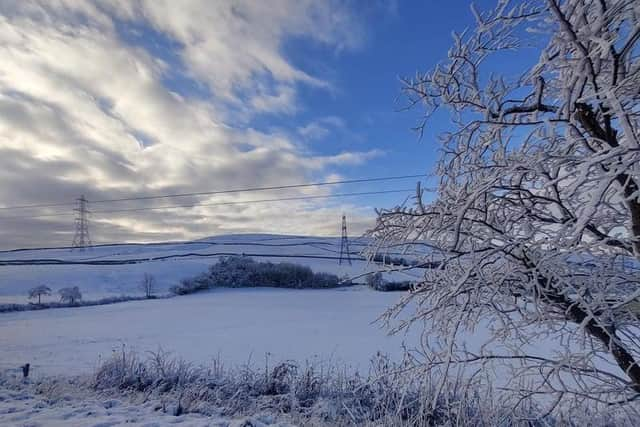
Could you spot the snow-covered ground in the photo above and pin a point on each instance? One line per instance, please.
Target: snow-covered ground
(168, 262)
(235, 325)
(23, 405)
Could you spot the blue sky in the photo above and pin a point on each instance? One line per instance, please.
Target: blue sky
(136, 98)
(401, 39)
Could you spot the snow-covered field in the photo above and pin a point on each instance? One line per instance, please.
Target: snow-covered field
(236, 325)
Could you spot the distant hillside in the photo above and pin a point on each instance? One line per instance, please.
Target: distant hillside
(107, 270)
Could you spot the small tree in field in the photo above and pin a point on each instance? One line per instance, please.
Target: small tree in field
(38, 292)
(537, 216)
(148, 285)
(70, 295)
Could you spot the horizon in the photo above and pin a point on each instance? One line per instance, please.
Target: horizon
(172, 242)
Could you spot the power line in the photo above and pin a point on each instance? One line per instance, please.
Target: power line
(49, 205)
(193, 205)
(279, 199)
(238, 190)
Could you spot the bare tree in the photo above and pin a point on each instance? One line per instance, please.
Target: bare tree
(536, 224)
(38, 292)
(148, 285)
(70, 295)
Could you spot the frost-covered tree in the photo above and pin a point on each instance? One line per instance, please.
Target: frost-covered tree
(536, 220)
(148, 285)
(70, 295)
(38, 292)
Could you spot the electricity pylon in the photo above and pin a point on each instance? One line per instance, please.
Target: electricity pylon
(344, 243)
(81, 239)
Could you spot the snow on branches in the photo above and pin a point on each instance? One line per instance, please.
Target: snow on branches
(38, 292)
(70, 295)
(536, 222)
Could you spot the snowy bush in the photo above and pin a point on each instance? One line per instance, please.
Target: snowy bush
(393, 260)
(241, 272)
(70, 295)
(376, 281)
(38, 292)
(189, 286)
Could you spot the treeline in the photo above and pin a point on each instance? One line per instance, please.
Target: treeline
(244, 272)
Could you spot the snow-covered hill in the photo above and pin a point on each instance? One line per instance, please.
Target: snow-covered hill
(117, 269)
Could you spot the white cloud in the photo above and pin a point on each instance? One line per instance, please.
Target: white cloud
(322, 127)
(81, 111)
(235, 46)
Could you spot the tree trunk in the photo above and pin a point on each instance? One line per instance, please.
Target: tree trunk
(605, 334)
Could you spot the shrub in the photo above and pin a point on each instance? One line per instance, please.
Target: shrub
(70, 295)
(189, 286)
(391, 260)
(396, 286)
(241, 272)
(377, 282)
